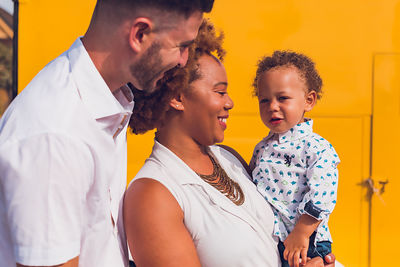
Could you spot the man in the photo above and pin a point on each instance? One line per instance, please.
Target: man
(63, 139)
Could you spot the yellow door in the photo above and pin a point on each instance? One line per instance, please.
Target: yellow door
(385, 161)
(341, 36)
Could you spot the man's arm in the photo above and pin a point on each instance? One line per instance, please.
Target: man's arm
(44, 182)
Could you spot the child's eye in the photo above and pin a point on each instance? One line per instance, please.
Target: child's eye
(283, 98)
(264, 100)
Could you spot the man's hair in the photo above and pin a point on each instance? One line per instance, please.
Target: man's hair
(184, 7)
(150, 109)
(302, 63)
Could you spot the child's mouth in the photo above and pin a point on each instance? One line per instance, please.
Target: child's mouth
(275, 120)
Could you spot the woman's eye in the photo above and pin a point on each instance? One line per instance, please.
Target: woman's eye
(222, 93)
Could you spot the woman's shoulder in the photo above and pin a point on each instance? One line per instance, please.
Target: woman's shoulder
(161, 172)
(151, 168)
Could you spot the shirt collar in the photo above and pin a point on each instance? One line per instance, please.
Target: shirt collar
(171, 161)
(186, 175)
(298, 131)
(93, 90)
(106, 107)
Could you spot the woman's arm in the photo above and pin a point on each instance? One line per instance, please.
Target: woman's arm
(154, 227)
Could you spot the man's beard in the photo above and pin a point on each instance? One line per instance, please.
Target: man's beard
(148, 68)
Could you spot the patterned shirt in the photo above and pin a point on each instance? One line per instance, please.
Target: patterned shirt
(297, 174)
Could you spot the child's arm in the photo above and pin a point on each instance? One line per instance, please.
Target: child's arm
(317, 203)
(296, 244)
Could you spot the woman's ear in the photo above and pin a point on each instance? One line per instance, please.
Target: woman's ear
(139, 33)
(176, 103)
(311, 98)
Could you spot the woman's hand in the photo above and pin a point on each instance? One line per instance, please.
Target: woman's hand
(315, 262)
(318, 262)
(330, 260)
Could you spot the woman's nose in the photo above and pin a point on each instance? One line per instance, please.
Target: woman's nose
(229, 103)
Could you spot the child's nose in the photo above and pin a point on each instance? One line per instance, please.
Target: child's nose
(274, 105)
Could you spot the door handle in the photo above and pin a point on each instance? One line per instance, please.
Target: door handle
(372, 190)
(383, 184)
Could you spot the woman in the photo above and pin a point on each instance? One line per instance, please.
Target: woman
(192, 203)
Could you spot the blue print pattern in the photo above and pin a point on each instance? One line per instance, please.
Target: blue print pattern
(296, 172)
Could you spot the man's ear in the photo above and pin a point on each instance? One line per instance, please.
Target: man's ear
(311, 98)
(140, 33)
(176, 103)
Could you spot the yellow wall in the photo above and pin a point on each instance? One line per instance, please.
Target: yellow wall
(386, 146)
(341, 36)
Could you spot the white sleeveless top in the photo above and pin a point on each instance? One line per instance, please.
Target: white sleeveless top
(224, 234)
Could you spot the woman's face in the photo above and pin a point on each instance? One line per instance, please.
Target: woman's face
(207, 104)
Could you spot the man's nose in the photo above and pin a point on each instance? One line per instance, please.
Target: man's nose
(183, 58)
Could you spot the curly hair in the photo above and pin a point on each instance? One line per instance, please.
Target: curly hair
(304, 65)
(150, 109)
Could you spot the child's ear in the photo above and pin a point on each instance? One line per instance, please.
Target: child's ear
(139, 33)
(176, 103)
(311, 98)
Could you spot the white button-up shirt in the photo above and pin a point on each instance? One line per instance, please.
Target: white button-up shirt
(63, 167)
(224, 234)
(297, 173)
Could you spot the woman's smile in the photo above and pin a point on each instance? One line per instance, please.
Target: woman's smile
(222, 122)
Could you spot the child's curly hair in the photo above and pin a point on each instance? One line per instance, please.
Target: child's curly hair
(150, 109)
(304, 64)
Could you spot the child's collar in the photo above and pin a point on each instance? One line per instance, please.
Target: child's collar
(298, 131)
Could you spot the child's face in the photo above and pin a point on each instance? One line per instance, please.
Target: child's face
(283, 98)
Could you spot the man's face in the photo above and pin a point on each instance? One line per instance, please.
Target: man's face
(168, 50)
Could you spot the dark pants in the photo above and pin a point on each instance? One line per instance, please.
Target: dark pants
(321, 250)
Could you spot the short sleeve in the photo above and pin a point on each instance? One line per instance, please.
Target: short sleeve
(322, 179)
(44, 180)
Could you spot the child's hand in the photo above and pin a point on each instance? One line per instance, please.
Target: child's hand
(296, 247)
